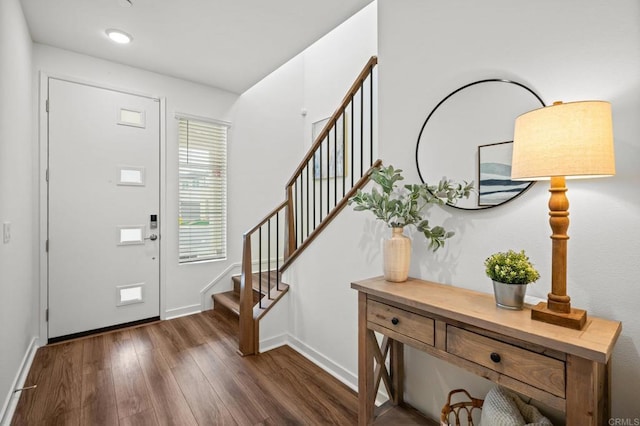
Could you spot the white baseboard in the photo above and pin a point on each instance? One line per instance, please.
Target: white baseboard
(274, 342)
(11, 401)
(345, 376)
(183, 311)
(336, 370)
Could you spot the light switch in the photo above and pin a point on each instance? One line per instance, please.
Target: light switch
(6, 232)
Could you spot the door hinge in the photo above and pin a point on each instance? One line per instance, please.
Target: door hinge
(46, 105)
(46, 315)
(47, 175)
(46, 246)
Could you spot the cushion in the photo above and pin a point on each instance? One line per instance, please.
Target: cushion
(504, 408)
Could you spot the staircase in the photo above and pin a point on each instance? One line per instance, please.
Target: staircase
(229, 301)
(338, 163)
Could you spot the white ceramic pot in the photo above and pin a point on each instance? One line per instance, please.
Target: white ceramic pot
(396, 253)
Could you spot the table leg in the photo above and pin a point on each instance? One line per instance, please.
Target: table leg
(366, 393)
(397, 371)
(586, 394)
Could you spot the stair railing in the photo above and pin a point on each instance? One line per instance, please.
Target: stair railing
(334, 166)
(338, 163)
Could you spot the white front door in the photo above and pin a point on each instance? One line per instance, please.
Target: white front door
(103, 194)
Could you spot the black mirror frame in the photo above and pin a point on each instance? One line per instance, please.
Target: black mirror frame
(490, 80)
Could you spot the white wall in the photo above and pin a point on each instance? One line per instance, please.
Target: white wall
(570, 50)
(183, 282)
(333, 62)
(266, 147)
(18, 261)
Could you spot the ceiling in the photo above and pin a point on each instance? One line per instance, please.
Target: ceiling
(229, 44)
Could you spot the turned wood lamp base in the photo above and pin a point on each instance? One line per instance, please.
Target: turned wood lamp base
(557, 310)
(575, 319)
(575, 140)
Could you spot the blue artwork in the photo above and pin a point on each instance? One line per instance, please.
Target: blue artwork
(495, 184)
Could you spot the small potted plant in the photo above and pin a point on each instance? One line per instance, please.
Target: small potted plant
(400, 207)
(511, 272)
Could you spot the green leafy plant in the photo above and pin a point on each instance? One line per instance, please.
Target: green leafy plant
(511, 268)
(402, 206)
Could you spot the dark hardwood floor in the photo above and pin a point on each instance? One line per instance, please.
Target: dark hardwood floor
(183, 371)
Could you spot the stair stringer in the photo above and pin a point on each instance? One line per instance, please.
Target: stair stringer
(219, 284)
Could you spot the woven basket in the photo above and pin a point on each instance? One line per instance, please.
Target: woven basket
(453, 414)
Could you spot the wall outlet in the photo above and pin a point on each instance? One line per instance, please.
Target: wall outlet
(6, 232)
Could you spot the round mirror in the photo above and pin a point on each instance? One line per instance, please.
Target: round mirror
(469, 136)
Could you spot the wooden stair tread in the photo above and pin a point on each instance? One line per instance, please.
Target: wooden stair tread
(270, 278)
(229, 300)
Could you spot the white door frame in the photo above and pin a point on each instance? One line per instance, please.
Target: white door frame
(43, 136)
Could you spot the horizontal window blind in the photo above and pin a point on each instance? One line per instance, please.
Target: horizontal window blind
(202, 190)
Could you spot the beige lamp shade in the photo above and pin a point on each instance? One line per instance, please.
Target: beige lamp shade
(574, 140)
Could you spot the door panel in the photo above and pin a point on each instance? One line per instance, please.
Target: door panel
(104, 183)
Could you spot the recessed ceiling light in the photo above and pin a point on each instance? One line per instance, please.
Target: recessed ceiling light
(119, 36)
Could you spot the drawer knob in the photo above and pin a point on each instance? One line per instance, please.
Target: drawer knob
(395, 321)
(495, 357)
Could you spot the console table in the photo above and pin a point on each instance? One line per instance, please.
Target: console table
(563, 368)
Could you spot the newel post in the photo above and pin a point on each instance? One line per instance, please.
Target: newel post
(290, 228)
(246, 326)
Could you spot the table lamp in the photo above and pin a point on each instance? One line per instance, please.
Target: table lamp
(564, 140)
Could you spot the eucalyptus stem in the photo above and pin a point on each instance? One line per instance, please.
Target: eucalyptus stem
(400, 207)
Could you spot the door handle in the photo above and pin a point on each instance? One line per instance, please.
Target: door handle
(152, 237)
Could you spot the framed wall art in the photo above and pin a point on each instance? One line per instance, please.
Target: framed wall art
(494, 174)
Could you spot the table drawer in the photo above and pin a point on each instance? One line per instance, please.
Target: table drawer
(412, 325)
(521, 364)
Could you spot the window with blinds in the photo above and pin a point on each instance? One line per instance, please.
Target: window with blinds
(202, 190)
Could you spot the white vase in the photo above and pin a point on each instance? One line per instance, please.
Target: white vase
(396, 253)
